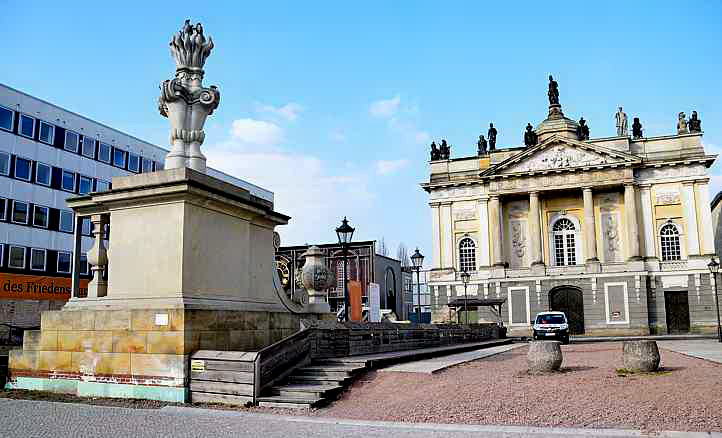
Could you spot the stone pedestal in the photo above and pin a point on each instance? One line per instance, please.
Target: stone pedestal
(544, 356)
(640, 356)
(190, 266)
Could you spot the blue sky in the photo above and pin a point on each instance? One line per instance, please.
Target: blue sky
(332, 105)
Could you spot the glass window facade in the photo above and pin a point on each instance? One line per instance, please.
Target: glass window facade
(64, 262)
(6, 118)
(104, 152)
(47, 133)
(88, 147)
(71, 141)
(26, 126)
(20, 212)
(16, 257)
(66, 221)
(133, 162)
(68, 182)
(43, 174)
(85, 186)
(4, 163)
(37, 259)
(22, 168)
(40, 216)
(119, 158)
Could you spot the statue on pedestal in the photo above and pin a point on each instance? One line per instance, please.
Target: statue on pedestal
(481, 145)
(445, 150)
(636, 128)
(682, 124)
(435, 153)
(621, 118)
(491, 133)
(530, 137)
(553, 92)
(184, 100)
(694, 124)
(583, 130)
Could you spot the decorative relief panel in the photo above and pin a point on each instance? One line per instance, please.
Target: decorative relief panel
(667, 197)
(558, 157)
(611, 237)
(542, 182)
(608, 201)
(693, 170)
(456, 192)
(518, 233)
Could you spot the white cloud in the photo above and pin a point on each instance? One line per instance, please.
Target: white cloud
(257, 132)
(386, 167)
(289, 111)
(305, 187)
(385, 107)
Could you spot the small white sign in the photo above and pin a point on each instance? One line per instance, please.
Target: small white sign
(374, 303)
(161, 319)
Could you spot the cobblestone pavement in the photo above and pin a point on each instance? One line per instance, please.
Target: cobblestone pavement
(708, 349)
(23, 418)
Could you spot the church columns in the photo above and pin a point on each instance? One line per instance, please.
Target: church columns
(535, 230)
(436, 236)
(630, 210)
(705, 217)
(484, 259)
(590, 233)
(496, 229)
(690, 218)
(645, 195)
(447, 236)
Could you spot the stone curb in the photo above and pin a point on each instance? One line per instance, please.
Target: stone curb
(518, 430)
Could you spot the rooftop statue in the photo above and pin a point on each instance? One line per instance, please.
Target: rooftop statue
(583, 130)
(682, 124)
(445, 150)
(435, 153)
(184, 100)
(621, 118)
(694, 124)
(491, 133)
(481, 145)
(636, 128)
(553, 91)
(530, 137)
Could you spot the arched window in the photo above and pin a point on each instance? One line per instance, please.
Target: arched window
(565, 245)
(467, 255)
(669, 243)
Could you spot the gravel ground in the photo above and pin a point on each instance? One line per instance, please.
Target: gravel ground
(686, 396)
(589, 393)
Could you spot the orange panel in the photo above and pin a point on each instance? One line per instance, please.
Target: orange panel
(354, 294)
(37, 287)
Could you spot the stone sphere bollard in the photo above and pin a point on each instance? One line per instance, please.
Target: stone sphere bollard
(544, 356)
(640, 356)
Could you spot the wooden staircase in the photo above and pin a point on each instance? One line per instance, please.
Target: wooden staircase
(315, 384)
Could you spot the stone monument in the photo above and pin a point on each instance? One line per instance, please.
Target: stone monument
(544, 356)
(682, 124)
(694, 124)
(491, 133)
(185, 101)
(481, 146)
(621, 119)
(189, 264)
(530, 137)
(317, 278)
(640, 356)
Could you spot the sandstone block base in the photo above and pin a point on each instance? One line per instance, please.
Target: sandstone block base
(133, 353)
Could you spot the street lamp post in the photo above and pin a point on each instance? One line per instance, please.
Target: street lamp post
(714, 269)
(345, 234)
(465, 278)
(417, 260)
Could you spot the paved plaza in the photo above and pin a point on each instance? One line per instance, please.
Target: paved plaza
(21, 418)
(708, 349)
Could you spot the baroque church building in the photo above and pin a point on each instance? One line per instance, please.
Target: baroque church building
(616, 231)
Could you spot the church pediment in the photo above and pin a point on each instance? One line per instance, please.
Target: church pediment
(558, 153)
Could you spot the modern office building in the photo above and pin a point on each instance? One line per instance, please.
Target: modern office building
(48, 154)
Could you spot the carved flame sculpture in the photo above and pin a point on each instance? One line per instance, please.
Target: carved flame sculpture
(184, 100)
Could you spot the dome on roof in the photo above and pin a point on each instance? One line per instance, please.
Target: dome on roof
(556, 123)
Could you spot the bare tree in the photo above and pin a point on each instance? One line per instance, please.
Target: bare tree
(382, 249)
(403, 255)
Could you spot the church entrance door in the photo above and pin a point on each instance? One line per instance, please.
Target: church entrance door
(570, 301)
(676, 306)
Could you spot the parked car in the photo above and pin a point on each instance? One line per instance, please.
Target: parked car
(551, 325)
